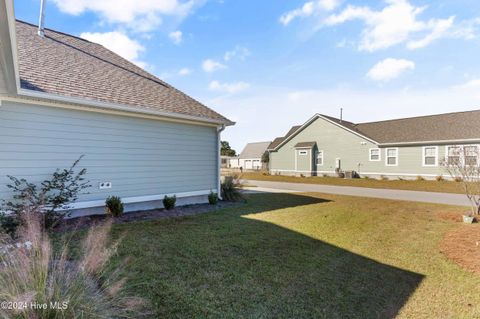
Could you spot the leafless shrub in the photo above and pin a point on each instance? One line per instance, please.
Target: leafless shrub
(463, 166)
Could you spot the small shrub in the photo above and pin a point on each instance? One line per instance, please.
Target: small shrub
(419, 178)
(301, 175)
(439, 178)
(212, 198)
(169, 202)
(401, 179)
(366, 177)
(231, 189)
(324, 175)
(458, 179)
(114, 206)
(384, 178)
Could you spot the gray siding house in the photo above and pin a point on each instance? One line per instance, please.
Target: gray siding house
(62, 97)
(407, 147)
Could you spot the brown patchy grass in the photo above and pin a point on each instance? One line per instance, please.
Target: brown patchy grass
(414, 185)
(462, 245)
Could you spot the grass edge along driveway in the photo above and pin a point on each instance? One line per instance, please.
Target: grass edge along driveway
(299, 256)
(413, 185)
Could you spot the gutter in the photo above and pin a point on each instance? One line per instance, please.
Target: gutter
(117, 107)
(220, 129)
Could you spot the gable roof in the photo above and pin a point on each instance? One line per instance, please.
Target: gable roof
(254, 150)
(279, 140)
(448, 127)
(69, 66)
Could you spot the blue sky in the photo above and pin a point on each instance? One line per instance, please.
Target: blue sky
(272, 64)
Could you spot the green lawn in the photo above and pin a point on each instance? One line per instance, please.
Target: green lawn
(415, 185)
(299, 256)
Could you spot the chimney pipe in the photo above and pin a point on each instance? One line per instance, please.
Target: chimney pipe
(341, 114)
(41, 20)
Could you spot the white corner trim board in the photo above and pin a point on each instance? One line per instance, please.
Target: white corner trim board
(138, 199)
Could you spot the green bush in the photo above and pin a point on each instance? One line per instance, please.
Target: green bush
(50, 198)
(212, 198)
(230, 189)
(114, 206)
(169, 202)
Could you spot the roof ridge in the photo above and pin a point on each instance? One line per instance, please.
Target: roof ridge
(56, 31)
(418, 117)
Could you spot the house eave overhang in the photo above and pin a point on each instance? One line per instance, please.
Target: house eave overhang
(8, 47)
(117, 107)
(310, 121)
(431, 142)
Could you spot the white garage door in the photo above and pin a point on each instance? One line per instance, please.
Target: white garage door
(248, 164)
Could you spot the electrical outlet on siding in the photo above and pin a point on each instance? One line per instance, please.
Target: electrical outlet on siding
(105, 185)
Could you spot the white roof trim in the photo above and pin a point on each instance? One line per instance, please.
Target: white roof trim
(432, 143)
(311, 120)
(117, 107)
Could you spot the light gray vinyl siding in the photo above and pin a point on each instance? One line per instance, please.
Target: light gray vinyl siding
(353, 152)
(140, 157)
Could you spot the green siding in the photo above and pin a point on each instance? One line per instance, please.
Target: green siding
(140, 157)
(353, 152)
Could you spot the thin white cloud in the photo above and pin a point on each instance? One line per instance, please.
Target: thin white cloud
(184, 72)
(176, 36)
(230, 88)
(211, 66)
(119, 43)
(140, 15)
(390, 69)
(308, 9)
(398, 22)
(238, 52)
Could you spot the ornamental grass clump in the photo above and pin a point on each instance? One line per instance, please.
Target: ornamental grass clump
(38, 281)
(231, 189)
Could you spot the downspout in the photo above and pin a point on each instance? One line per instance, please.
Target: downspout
(219, 161)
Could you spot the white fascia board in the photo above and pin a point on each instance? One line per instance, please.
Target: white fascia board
(311, 120)
(117, 107)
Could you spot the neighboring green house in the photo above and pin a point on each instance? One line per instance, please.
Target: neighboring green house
(406, 147)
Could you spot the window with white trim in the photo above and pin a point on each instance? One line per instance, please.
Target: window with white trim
(471, 155)
(430, 156)
(454, 155)
(391, 156)
(320, 158)
(375, 154)
(302, 152)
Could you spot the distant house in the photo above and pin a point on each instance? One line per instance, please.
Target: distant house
(62, 97)
(406, 147)
(251, 156)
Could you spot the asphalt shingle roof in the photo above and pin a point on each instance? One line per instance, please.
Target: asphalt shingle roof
(69, 66)
(431, 128)
(254, 150)
(305, 144)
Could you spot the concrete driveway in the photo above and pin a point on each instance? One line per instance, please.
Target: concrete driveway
(415, 196)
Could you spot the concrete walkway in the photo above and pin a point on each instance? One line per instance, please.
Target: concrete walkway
(415, 196)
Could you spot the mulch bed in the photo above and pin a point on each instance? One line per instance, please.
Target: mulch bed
(462, 245)
(154, 214)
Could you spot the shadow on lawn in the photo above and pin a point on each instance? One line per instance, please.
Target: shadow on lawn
(230, 266)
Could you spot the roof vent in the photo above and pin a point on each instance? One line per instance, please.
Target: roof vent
(41, 20)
